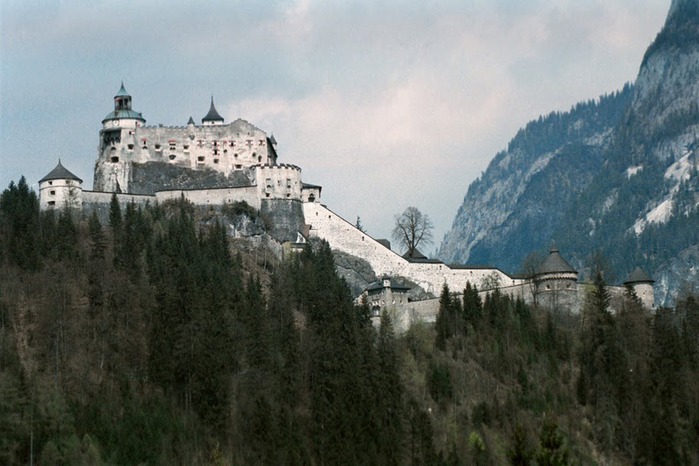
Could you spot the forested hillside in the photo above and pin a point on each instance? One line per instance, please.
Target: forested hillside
(157, 339)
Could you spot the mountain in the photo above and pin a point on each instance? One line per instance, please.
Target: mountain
(613, 182)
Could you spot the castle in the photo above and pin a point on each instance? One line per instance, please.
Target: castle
(214, 163)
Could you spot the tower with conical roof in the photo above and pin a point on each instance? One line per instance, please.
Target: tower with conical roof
(555, 280)
(60, 188)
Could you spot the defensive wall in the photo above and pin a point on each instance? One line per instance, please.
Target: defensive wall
(430, 275)
(212, 196)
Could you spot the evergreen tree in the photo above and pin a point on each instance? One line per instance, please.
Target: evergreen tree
(19, 225)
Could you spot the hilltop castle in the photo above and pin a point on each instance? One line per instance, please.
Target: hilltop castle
(214, 163)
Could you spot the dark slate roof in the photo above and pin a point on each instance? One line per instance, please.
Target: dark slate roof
(310, 186)
(272, 140)
(384, 242)
(417, 256)
(119, 114)
(191, 121)
(638, 276)
(60, 173)
(555, 263)
(213, 114)
(394, 285)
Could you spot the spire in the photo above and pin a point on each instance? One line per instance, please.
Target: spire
(213, 116)
(191, 121)
(122, 91)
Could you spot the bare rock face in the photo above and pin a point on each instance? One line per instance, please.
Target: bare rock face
(616, 178)
(147, 178)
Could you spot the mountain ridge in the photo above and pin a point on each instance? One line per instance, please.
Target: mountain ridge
(613, 182)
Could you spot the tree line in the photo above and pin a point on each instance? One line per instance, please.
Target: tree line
(154, 338)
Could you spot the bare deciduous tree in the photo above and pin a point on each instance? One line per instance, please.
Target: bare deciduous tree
(412, 228)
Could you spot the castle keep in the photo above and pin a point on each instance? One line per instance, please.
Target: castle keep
(215, 163)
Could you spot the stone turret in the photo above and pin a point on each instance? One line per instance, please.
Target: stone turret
(556, 281)
(60, 188)
(642, 285)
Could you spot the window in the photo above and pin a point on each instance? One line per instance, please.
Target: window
(53, 193)
(157, 147)
(52, 203)
(200, 158)
(215, 160)
(115, 159)
(238, 167)
(312, 198)
(130, 146)
(185, 147)
(172, 156)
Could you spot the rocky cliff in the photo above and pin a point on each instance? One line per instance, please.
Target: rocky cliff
(612, 181)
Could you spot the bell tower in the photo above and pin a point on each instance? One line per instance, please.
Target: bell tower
(117, 145)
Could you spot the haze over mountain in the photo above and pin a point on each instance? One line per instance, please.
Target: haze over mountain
(613, 181)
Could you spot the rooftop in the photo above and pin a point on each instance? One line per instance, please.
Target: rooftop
(555, 263)
(60, 173)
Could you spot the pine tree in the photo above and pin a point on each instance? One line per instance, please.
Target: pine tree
(19, 225)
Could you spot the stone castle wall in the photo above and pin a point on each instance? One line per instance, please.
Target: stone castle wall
(216, 196)
(345, 237)
(222, 148)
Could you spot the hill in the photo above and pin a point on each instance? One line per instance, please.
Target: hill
(158, 339)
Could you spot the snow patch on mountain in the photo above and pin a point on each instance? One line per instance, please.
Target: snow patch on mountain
(631, 171)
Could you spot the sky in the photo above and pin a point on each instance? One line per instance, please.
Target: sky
(385, 104)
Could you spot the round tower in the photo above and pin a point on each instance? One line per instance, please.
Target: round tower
(60, 188)
(555, 281)
(642, 285)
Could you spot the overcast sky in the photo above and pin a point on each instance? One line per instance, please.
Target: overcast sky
(385, 104)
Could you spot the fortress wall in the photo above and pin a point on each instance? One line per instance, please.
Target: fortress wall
(99, 202)
(345, 237)
(96, 197)
(217, 196)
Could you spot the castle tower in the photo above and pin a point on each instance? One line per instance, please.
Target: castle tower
(60, 188)
(117, 144)
(122, 116)
(642, 285)
(212, 118)
(555, 281)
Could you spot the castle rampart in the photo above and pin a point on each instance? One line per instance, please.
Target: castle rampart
(431, 276)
